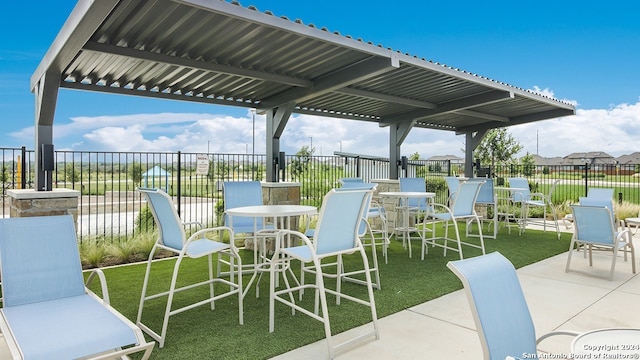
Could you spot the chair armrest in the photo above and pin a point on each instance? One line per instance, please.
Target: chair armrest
(541, 196)
(103, 283)
(197, 223)
(282, 233)
(200, 233)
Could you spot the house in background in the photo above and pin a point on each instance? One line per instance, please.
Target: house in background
(597, 159)
(628, 163)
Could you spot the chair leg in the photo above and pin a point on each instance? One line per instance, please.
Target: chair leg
(455, 225)
(566, 269)
(613, 262)
(339, 271)
(480, 233)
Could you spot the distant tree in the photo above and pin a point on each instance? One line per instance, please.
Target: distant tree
(497, 146)
(135, 172)
(4, 175)
(528, 164)
(72, 174)
(414, 156)
(301, 162)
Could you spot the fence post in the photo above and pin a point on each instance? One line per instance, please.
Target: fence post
(586, 178)
(179, 183)
(23, 169)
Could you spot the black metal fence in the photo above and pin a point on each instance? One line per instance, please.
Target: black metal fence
(109, 205)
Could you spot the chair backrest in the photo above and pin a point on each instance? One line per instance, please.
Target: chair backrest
(453, 183)
(39, 259)
(498, 305)
(593, 224)
(360, 186)
(357, 185)
(600, 193)
(339, 220)
(170, 230)
(523, 193)
(345, 181)
(465, 200)
(487, 194)
(242, 193)
(414, 185)
(600, 202)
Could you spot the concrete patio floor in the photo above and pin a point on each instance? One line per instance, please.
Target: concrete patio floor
(444, 329)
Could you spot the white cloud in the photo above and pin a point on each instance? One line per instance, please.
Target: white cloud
(615, 131)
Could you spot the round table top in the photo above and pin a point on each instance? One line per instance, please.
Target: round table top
(408, 194)
(633, 220)
(613, 342)
(272, 210)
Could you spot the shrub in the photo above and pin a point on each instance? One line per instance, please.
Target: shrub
(145, 221)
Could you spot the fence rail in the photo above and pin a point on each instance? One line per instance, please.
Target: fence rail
(109, 205)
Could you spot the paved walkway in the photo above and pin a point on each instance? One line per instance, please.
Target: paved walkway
(444, 329)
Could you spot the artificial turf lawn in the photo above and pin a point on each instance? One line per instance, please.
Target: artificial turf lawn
(201, 333)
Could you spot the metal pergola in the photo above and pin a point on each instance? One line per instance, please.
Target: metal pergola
(219, 52)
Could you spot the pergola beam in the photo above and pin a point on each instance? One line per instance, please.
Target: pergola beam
(517, 120)
(452, 106)
(385, 97)
(347, 75)
(213, 100)
(194, 64)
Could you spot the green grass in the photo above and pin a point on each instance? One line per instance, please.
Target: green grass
(201, 333)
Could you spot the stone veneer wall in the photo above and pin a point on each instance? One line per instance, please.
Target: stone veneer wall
(281, 193)
(28, 202)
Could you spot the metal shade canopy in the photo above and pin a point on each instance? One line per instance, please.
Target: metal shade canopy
(219, 52)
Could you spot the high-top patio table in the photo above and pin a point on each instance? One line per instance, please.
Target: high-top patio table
(405, 229)
(281, 215)
(633, 222)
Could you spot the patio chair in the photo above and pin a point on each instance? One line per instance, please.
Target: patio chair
(499, 308)
(417, 185)
(594, 193)
(600, 193)
(463, 208)
(520, 194)
(488, 199)
(595, 228)
(541, 200)
(419, 207)
(245, 193)
(337, 234)
(173, 238)
(48, 313)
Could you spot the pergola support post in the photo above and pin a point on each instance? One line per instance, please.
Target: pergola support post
(277, 119)
(46, 96)
(472, 141)
(397, 134)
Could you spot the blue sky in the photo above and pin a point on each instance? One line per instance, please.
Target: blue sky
(583, 52)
